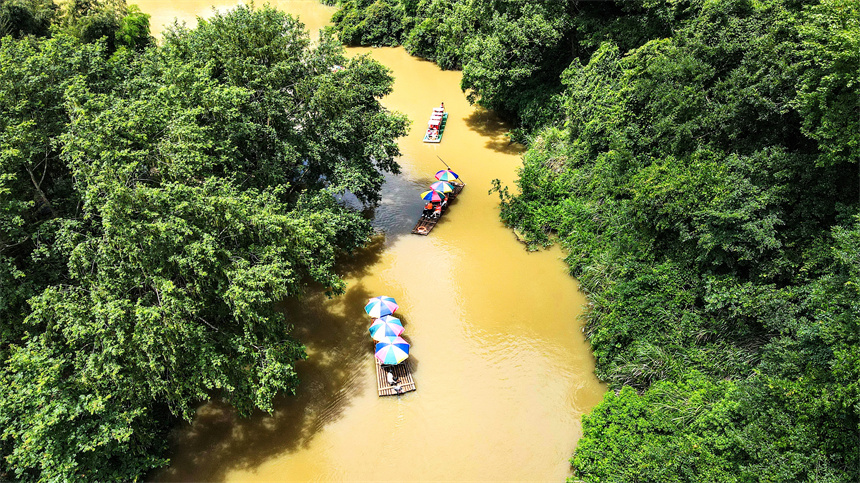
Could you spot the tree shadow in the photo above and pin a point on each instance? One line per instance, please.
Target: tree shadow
(357, 264)
(334, 331)
(398, 209)
(488, 125)
(401, 207)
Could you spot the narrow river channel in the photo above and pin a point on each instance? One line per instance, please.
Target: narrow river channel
(503, 372)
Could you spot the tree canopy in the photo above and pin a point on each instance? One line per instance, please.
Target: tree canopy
(711, 214)
(156, 202)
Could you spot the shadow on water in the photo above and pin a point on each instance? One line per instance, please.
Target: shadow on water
(488, 125)
(334, 331)
(398, 210)
(401, 207)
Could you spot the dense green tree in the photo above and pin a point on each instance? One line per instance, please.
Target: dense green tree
(828, 98)
(440, 31)
(36, 187)
(119, 24)
(514, 66)
(26, 17)
(705, 184)
(362, 22)
(156, 205)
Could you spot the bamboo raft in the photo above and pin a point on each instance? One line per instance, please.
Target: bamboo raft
(404, 379)
(458, 188)
(426, 223)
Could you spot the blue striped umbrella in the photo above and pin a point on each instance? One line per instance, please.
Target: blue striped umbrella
(433, 195)
(393, 350)
(379, 306)
(384, 327)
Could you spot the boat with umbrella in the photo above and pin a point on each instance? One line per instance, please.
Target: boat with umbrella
(445, 189)
(391, 355)
(390, 350)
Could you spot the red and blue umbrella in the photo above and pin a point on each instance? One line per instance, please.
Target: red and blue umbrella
(433, 195)
(446, 175)
(384, 327)
(442, 186)
(379, 306)
(393, 350)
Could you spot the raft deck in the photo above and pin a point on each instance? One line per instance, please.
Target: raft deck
(404, 379)
(458, 188)
(425, 224)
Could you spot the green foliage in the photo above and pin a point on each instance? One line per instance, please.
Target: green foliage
(361, 22)
(26, 17)
(511, 53)
(155, 207)
(674, 432)
(73, 428)
(35, 183)
(828, 95)
(705, 185)
(120, 25)
(440, 31)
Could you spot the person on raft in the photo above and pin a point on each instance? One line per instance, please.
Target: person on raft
(392, 379)
(437, 210)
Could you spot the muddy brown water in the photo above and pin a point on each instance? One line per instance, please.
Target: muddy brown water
(502, 369)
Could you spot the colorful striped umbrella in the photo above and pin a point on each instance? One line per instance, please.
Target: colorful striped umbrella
(384, 327)
(379, 306)
(433, 195)
(442, 186)
(446, 175)
(393, 350)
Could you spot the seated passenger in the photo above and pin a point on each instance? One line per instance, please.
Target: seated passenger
(437, 210)
(392, 379)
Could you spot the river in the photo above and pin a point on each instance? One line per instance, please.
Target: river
(503, 372)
